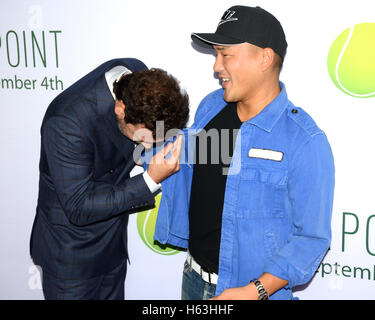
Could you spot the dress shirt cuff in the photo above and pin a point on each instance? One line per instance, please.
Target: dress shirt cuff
(151, 183)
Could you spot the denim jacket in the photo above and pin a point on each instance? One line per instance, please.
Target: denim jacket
(278, 196)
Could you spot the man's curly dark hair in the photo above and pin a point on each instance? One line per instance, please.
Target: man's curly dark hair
(153, 95)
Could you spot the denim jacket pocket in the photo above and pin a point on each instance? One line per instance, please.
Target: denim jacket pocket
(262, 192)
(271, 243)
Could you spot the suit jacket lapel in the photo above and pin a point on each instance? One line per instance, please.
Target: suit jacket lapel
(107, 119)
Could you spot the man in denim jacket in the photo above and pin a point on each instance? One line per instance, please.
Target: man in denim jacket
(262, 226)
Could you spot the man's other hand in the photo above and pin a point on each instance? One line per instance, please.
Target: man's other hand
(160, 167)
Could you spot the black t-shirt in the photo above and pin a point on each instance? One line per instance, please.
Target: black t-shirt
(213, 152)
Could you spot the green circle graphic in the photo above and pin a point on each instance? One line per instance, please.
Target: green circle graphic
(351, 61)
(146, 221)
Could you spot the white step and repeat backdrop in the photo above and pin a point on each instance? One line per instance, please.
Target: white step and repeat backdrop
(329, 70)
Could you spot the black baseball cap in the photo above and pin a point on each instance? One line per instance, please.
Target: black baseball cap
(241, 24)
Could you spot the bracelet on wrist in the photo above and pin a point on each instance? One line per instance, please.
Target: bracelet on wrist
(262, 293)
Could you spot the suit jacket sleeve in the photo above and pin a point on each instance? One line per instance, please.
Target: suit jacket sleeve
(70, 157)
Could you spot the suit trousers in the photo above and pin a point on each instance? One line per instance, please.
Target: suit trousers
(109, 286)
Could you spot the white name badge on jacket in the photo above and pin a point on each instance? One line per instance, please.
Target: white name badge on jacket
(266, 154)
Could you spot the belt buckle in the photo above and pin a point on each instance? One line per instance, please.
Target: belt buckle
(190, 261)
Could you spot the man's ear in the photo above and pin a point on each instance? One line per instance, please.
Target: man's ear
(120, 109)
(268, 57)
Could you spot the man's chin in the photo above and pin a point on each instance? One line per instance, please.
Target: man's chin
(228, 97)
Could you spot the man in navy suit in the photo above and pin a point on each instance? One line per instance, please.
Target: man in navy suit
(89, 133)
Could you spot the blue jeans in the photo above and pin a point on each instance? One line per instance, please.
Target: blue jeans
(194, 287)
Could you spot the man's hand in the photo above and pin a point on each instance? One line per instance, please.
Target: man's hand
(248, 292)
(160, 167)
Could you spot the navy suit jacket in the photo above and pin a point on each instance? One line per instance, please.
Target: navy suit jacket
(80, 229)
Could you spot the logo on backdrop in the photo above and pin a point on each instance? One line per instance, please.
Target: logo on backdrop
(357, 236)
(146, 221)
(23, 52)
(351, 63)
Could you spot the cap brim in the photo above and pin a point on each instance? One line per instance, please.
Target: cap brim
(208, 40)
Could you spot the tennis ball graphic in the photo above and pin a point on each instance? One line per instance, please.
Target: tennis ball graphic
(146, 221)
(351, 61)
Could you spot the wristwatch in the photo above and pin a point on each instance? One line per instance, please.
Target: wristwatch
(262, 293)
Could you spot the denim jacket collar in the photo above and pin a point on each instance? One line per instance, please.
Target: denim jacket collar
(269, 116)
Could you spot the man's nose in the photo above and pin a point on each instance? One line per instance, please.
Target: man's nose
(218, 65)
